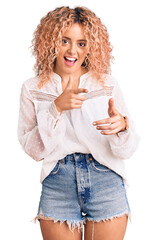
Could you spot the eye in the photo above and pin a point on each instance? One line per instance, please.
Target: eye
(65, 41)
(82, 44)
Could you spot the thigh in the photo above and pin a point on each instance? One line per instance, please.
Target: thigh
(109, 230)
(57, 231)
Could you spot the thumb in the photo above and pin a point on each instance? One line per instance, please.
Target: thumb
(70, 83)
(112, 111)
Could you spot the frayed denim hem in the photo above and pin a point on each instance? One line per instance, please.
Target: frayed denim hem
(112, 217)
(72, 224)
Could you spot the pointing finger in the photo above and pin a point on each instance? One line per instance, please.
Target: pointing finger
(80, 90)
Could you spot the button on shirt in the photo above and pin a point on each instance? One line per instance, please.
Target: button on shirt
(47, 135)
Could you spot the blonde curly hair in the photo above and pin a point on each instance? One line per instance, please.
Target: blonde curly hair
(47, 40)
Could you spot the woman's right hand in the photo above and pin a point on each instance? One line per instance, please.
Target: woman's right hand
(70, 98)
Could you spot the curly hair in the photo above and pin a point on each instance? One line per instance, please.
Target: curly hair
(47, 40)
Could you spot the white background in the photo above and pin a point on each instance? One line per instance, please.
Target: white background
(132, 26)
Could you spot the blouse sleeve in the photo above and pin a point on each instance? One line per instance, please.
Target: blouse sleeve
(38, 133)
(125, 144)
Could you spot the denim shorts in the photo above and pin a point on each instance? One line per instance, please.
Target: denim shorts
(78, 189)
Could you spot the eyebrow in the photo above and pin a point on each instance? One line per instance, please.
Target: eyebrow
(83, 40)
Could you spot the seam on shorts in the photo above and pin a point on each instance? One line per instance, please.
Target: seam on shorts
(129, 214)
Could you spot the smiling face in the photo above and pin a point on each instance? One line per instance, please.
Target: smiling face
(72, 52)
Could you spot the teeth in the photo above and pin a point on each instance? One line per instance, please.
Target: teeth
(70, 59)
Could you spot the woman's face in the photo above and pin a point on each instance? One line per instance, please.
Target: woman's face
(72, 52)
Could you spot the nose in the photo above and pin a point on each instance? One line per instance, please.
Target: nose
(72, 49)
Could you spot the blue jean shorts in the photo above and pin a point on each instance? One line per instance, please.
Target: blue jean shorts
(79, 189)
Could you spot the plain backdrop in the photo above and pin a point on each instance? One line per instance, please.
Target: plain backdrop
(132, 26)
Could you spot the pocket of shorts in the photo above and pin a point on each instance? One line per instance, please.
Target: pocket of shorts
(99, 167)
(55, 169)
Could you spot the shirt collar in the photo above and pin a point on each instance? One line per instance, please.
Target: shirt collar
(57, 79)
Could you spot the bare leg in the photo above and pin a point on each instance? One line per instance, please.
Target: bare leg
(55, 231)
(109, 230)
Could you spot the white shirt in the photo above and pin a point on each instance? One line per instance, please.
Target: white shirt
(47, 135)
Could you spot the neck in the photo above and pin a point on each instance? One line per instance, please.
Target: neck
(75, 75)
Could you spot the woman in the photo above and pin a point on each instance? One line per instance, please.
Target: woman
(73, 117)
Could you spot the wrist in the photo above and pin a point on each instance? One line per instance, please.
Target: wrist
(126, 126)
(126, 122)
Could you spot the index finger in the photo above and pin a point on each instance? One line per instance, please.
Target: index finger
(80, 90)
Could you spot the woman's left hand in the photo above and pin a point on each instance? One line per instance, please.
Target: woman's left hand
(116, 121)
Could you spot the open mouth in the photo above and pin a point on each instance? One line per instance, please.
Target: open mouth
(70, 61)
